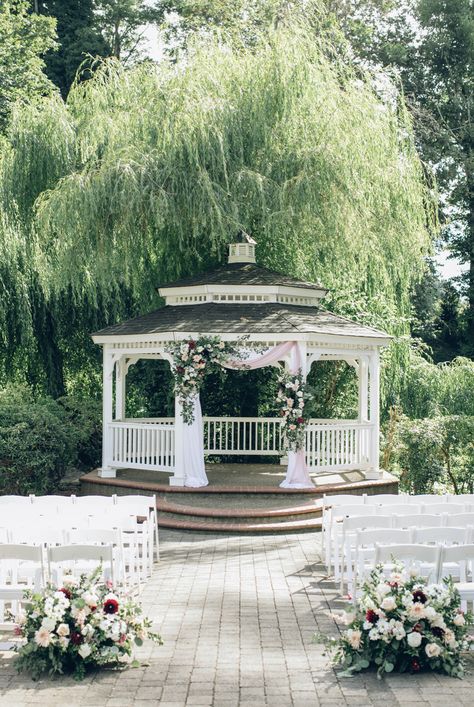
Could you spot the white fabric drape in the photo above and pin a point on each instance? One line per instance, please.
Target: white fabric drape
(297, 476)
(193, 449)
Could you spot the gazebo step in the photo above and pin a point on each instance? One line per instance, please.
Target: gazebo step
(231, 526)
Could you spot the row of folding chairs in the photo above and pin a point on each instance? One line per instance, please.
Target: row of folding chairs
(26, 567)
(333, 515)
(344, 530)
(432, 561)
(360, 545)
(133, 513)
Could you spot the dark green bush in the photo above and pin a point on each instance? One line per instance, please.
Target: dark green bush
(41, 439)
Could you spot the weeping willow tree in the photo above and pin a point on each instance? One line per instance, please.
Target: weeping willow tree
(145, 174)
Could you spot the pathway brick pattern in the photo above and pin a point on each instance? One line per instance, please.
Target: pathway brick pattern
(237, 615)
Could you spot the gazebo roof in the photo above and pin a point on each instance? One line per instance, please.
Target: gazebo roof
(230, 318)
(247, 274)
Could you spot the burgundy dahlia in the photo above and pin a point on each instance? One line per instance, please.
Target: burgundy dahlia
(111, 606)
(180, 370)
(300, 420)
(66, 592)
(419, 596)
(415, 666)
(76, 638)
(371, 616)
(192, 344)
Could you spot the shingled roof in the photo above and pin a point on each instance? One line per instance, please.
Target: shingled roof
(241, 274)
(229, 318)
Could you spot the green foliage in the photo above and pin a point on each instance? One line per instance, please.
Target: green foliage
(143, 176)
(443, 389)
(78, 38)
(40, 439)
(121, 24)
(435, 454)
(24, 39)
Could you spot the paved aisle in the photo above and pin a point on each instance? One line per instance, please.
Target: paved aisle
(237, 615)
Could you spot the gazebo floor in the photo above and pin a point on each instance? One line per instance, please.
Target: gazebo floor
(242, 498)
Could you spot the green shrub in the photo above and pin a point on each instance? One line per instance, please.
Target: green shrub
(41, 439)
(434, 454)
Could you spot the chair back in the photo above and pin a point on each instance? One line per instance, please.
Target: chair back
(445, 508)
(352, 523)
(417, 520)
(385, 499)
(447, 536)
(381, 536)
(410, 554)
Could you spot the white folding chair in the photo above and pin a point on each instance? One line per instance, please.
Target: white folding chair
(463, 557)
(21, 568)
(144, 506)
(427, 498)
(50, 503)
(461, 520)
(80, 559)
(103, 536)
(328, 504)
(12, 500)
(424, 559)
(350, 528)
(335, 530)
(365, 544)
(444, 508)
(441, 536)
(385, 499)
(466, 498)
(417, 520)
(403, 509)
(134, 538)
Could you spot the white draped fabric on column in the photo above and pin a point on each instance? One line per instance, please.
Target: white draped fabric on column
(297, 476)
(193, 449)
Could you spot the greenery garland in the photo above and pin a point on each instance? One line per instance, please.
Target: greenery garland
(192, 359)
(291, 397)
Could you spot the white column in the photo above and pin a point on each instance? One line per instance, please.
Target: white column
(374, 372)
(363, 377)
(120, 389)
(178, 477)
(107, 471)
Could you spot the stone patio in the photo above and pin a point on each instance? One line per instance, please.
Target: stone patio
(237, 615)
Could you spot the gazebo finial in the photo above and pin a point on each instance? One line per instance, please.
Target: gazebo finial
(242, 250)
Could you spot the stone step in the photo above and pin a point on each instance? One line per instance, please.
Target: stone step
(221, 512)
(203, 524)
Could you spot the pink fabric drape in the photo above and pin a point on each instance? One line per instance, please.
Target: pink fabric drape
(297, 476)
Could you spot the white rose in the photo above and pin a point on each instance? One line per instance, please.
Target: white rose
(459, 620)
(382, 589)
(90, 598)
(438, 622)
(348, 617)
(432, 650)
(85, 650)
(414, 639)
(449, 638)
(397, 577)
(20, 618)
(389, 604)
(48, 623)
(63, 630)
(63, 642)
(430, 613)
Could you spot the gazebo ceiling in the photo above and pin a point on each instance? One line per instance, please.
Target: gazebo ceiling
(240, 319)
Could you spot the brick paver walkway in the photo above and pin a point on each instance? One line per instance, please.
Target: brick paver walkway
(237, 615)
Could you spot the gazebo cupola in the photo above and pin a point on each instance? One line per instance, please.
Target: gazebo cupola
(270, 309)
(243, 249)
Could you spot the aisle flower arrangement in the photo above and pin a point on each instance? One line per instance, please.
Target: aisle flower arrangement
(192, 359)
(81, 625)
(403, 624)
(291, 399)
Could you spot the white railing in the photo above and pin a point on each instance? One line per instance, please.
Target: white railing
(341, 444)
(142, 445)
(148, 443)
(243, 435)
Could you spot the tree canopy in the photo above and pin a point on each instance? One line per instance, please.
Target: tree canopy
(144, 175)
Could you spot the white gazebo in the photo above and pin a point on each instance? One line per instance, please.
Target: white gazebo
(236, 300)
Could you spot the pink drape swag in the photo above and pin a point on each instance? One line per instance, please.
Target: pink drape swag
(297, 476)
